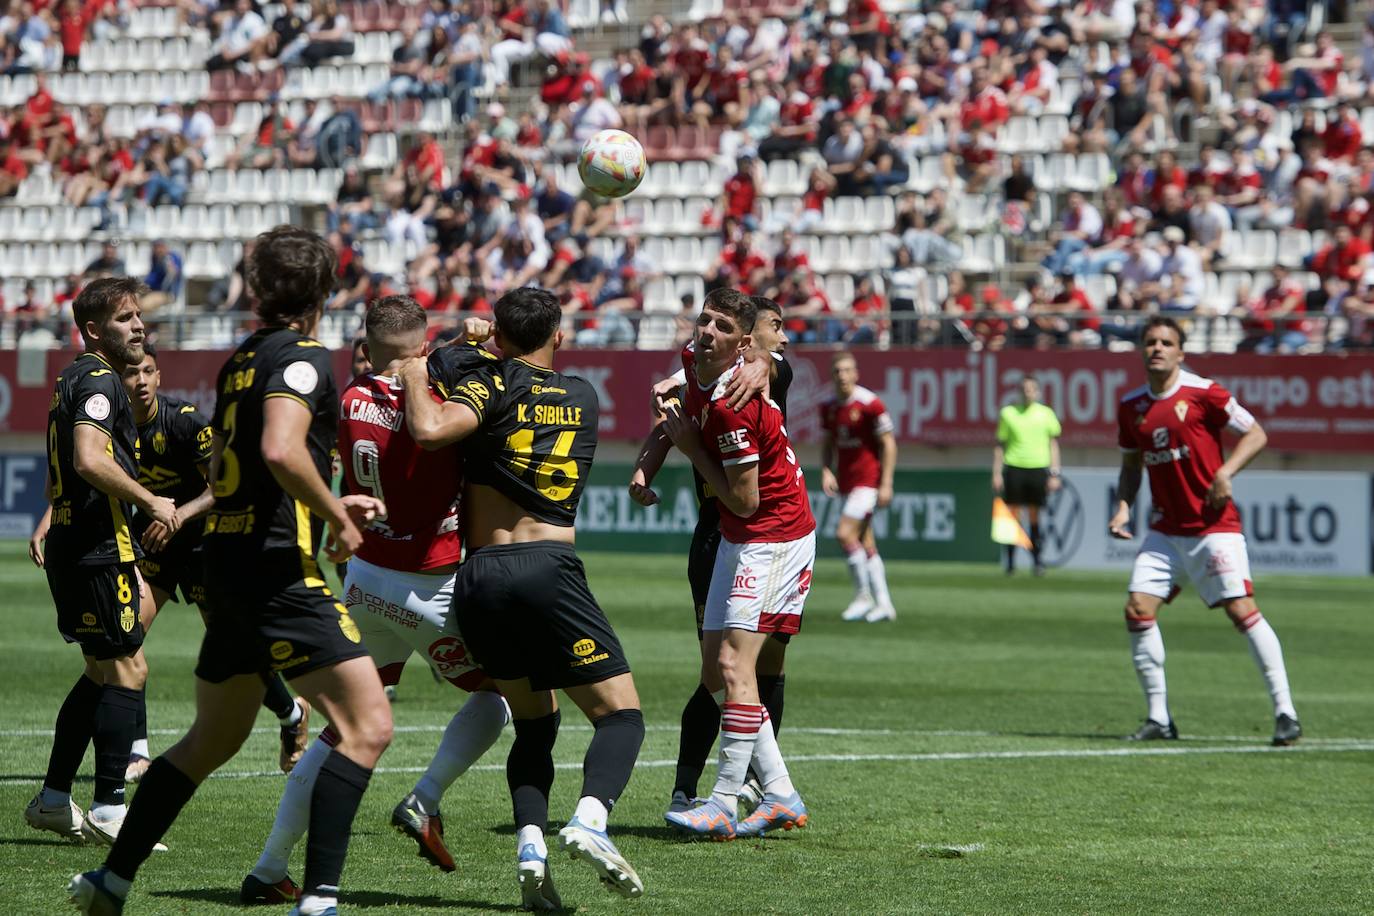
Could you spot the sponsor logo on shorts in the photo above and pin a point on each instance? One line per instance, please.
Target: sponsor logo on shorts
(745, 583)
(127, 618)
(150, 567)
(197, 594)
(347, 624)
(387, 610)
(450, 656)
(354, 596)
(88, 619)
(585, 649)
(1219, 564)
(281, 650)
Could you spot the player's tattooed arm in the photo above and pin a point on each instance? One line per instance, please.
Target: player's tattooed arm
(1127, 487)
(433, 425)
(98, 468)
(1251, 443)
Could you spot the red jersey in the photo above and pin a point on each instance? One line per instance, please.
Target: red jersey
(856, 426)
(1178, 434)
(752, 434)
(421, 489)
(740, 195)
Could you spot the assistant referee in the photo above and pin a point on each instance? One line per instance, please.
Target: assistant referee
(1025, 462)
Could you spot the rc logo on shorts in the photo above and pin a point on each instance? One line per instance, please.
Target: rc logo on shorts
(127, 618)
(1219, 564)
(281, 650)
(88, 619)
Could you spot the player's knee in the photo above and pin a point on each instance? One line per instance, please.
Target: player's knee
(1244, 613)
(1139, 613)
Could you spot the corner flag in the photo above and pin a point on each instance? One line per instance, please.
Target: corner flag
(1005, 528)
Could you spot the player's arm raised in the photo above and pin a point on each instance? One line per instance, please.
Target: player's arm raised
(1251, 443)
(92, 460)
(737, 487)
(434, 425)
(1127, 486)
(286, 424)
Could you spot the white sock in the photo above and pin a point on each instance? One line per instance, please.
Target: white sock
(858, 571)
(140, 749)
(471, 731)
(768, 762)
(117, 885)
(1268, 655)
(293, 814)
(530, 835)
(107, 813)
(1147, 651)
(51, 798)
(877, 577)
(293, 716)
(739, 732)
(311, 905)
(591, 812)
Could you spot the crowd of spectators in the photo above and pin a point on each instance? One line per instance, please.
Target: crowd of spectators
(856, 98)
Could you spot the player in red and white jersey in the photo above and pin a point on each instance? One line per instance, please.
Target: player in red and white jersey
(399, 590)
(860, 445)
(763, 566)
(1172, 427)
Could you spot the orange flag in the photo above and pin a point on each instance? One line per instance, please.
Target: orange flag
(1005, 528)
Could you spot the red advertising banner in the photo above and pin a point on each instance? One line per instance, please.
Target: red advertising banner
(936, 397)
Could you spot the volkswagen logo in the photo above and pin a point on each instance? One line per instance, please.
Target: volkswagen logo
(1061, 524)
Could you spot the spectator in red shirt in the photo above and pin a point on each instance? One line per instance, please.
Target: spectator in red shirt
(72, 23)
(741, 191)
(985, 105)
(805, 309)
(1262, 318)
(13, 170)
(796, 126)
(1342, 137)
(870, 313)
(869, 26)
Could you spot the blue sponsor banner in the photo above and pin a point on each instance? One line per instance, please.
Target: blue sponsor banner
(21, 494)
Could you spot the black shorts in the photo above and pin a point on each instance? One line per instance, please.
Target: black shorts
(701, 562)
(97, 608)
(176, 568)
(1025, 486)
(267, 618)
(525, 611)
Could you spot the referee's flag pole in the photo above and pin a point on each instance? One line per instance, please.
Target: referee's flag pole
(1005, 528)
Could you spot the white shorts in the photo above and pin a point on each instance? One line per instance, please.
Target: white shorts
(1217, 564)
(760, 586)
(859, 503)
(401, 612)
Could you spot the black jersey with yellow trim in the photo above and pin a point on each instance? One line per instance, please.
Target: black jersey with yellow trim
(175, 445)
(252, 513)
(89, 528)
(708, 513)
(537, 436)
(448, 364)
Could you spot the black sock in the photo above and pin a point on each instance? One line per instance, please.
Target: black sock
(611, 756)
(1011, 557)
(162, 793)
(529, 769)
(141, 724)
(771, 688)
(1035, 542)
(700, 725)
(116, 720)
(278, 699)
(72, 734)
(339, 789)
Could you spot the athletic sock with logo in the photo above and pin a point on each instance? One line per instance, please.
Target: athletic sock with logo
(1147, 652)
(700, 725)
(116, 718)
(739, 732)
(1268, 655)
(610, 760)
(339, 788)
(278, 700)
(529, 769)
(162, 793)
(293, 813)
(877, 577)
(767, 761)
(71, 736)
(857, 558)
(471, 731)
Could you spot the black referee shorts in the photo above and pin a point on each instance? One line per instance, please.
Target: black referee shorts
(1025, 486)
(525, 611)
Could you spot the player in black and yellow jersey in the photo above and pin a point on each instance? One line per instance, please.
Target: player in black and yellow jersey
(701, 714)
(274, 431)
(175, 462)
(90, 556)
(521, 599)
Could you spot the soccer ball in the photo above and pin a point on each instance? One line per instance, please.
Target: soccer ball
(611, 163)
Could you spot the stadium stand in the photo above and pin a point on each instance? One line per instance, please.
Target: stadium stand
(984, 175)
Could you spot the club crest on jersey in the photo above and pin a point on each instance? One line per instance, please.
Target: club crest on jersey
(159, 443)
(1181, 410)
(126, 619)
(1160, 437)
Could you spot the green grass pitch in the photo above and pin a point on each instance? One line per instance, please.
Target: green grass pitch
(963, 760)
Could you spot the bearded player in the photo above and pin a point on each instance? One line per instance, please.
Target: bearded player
(1172, 425)
(860, 445)
(763, 566)
(399, 589)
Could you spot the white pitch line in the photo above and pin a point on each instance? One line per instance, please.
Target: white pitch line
(1061, 753)
(789, 730)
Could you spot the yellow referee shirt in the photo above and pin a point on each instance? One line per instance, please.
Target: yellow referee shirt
(1025, 432)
